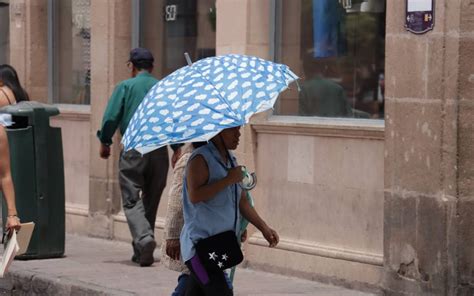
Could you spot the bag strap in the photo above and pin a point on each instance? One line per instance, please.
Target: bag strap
(8, 99)
(232, 165)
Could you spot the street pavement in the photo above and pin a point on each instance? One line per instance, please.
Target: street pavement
(103, 267)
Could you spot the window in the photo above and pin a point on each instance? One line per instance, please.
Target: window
(4, 32)
(71, 59)
(337, 48)
(172, 27)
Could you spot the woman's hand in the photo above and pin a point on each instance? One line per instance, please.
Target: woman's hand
(243, 236)
(235, 175)
(173, 248)
(271, 236)
(13, 222)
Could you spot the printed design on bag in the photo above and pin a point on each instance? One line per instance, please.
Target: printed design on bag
(213, 256)
(220, 251)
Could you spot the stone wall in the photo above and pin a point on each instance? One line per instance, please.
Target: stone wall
(110, 47)
(428, 233)
(29, 45)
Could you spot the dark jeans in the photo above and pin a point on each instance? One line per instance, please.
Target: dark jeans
(142, 180)
(203, 283)
(180, 289)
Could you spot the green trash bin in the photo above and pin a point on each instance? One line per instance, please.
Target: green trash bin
(37, 168)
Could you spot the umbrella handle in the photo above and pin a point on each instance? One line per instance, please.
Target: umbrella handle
(298, 85)
(188, 58)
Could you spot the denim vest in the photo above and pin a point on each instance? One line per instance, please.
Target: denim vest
(216, 215)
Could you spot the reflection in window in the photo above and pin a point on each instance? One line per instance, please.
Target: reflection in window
(4, 32)
(339, 54)
(71, 52)
(169, 28)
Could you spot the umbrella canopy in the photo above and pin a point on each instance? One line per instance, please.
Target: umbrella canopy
(198, 101)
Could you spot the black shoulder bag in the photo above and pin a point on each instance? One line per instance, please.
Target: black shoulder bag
(221, 251)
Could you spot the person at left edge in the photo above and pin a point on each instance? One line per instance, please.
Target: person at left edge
(142, 178)
(11, 92)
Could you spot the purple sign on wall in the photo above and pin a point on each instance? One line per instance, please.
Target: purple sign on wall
(419, 16)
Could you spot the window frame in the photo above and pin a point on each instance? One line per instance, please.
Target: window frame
(53, 69)
(52, 73)
(7, 48)
(136, 8)
(275, 32)
(138, 36)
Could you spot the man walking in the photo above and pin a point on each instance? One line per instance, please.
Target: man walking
(142, 178)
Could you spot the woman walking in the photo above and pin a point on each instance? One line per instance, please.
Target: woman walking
(210, 193)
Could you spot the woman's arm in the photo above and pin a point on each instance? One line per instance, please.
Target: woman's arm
(249, 213)
(174, 214)
(197, 178)
(6, 183)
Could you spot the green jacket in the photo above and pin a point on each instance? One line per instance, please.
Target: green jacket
(125, 99)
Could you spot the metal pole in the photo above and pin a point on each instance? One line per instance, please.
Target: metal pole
(271, 30)
(51, 63)
(136, 23)
(275, 37)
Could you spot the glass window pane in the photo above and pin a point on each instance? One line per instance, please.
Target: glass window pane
(337, 47)
(4, 32)
(169, 28)
(71, 53)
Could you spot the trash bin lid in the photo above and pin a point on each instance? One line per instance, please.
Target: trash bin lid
(26, 108)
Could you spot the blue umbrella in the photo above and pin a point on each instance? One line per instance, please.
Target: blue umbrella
(198, 101)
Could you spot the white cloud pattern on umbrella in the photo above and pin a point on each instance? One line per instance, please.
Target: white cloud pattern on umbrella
(198, 101)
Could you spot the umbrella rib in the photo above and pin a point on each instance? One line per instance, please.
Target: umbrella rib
(216, 90)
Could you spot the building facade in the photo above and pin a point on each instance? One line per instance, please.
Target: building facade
(364, 168)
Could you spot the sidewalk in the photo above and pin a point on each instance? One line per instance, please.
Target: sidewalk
(101, 267)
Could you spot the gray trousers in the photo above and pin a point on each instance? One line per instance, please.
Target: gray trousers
(142, 180)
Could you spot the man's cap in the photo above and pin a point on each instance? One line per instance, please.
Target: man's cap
(140, 54)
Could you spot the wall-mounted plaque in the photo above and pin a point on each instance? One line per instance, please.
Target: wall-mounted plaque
(419, 16)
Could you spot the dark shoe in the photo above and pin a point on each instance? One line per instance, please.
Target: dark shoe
(136, 259)
(146, 253)
(136, 254)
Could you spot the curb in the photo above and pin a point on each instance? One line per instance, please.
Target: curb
(30, 283)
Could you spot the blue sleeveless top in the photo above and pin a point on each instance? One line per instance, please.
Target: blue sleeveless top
(204, 219)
